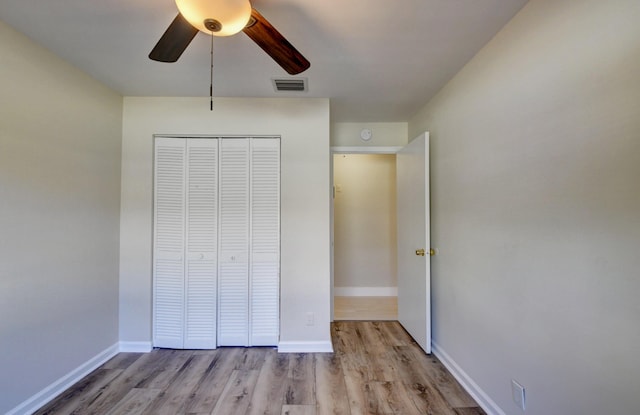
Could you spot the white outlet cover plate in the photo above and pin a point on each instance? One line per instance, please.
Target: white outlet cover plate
(517, 392)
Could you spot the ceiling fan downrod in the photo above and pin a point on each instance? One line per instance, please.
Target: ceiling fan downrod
(211, 76)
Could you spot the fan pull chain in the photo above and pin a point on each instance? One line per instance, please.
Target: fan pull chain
(211, 76)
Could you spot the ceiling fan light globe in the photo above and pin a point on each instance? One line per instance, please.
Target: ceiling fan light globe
(233, 15)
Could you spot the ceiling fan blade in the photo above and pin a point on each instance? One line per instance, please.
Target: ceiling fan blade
(276, 46)
(174, 40)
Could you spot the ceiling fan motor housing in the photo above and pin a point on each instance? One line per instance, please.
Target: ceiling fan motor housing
(213, 25)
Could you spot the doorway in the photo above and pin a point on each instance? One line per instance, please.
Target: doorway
(412, 233)
(365, 236)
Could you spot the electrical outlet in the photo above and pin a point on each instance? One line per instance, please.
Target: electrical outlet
(517, 392)
(311, 319)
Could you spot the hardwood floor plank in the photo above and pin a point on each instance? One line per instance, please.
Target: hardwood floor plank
(470, 411)
(237, 394)
(365, 308)
(122, 360)
(358, 394)
(298, 410)
(135, 402)
(252, 358)
(428, 400)
(270, 389)
(393, 398)
(444, 381)
(301, 388)
(164, 374)
(206, 395)
(106, 397)
(352, 351)
(375, 401)
(374, 330)
(72, 398)
(331, 391)
(381, 367)
(422, 392)
(395, 334)
(174, 399)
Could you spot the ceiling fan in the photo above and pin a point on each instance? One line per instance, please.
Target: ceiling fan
(225, 18)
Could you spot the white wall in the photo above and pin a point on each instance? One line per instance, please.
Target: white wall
(535, 177)
(60, 135)
(385, 134)
(303, 125)
(365, 251)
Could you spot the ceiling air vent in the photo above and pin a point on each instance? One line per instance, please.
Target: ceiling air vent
(290, 85)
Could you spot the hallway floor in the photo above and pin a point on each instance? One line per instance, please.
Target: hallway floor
(366, 308)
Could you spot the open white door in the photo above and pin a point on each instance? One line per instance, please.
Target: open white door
(414, 265)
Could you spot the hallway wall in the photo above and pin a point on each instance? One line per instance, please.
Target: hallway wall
(365, 251)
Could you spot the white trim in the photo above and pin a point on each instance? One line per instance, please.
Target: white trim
(214, 136)
(135, 347)
(365, 150)
(366, 291)
(480, 396)
(41, 398)
(305, 347)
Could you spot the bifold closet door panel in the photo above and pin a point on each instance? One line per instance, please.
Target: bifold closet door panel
(168, 254)
(201, 244)
(265, 242)
(233, 270)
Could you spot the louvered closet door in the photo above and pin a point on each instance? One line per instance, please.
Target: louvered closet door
(265, 242)
(201, 244)
(168, 261)
(216, 237)
(233, 271)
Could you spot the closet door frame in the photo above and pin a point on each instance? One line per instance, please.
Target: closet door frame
(252, 338)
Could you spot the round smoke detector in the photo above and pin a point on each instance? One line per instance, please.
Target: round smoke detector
(365, 134)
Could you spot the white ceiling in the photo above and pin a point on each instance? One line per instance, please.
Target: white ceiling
(377, 60)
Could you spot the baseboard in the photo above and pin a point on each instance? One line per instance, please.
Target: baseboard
(135, 347)
(365, 291)
(305, 347)
(489, 406)
(41, 398)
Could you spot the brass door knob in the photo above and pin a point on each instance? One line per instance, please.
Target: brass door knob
(422, 252)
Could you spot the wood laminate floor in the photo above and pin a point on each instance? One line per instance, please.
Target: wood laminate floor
(376, 369)
(365, 308)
